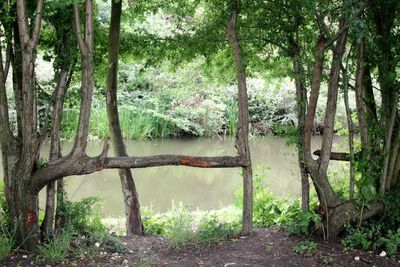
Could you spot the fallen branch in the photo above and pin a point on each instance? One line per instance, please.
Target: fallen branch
(339, 156)
(72, 165)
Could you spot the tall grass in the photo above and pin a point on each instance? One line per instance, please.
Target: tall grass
(135, 123)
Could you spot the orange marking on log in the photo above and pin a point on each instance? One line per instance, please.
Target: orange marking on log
(190, 161)
(31, 218)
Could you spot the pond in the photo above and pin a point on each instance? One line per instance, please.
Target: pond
(196, 188)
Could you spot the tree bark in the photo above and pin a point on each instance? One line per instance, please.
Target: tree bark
(68, 166)
(23, 152)
(350, 127)
(242, 141)
(131, 202)
(301, 107)
(85, 44)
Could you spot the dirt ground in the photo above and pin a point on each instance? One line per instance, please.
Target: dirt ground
(266, 247)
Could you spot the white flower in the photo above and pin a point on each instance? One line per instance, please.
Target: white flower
(356, 258)
(24, 256)
(383, 254)
(97, 244)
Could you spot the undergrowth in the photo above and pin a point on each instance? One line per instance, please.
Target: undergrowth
(83, 233)
(182, 226)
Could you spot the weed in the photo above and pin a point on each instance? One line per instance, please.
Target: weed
(179, 228)
(58, 249)
(211, 230)
(6, 246)
(305, 247)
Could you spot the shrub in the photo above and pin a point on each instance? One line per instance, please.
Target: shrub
(179, 229)
(82, 230)
(371, 236)
(269, 210)
(305, 247)
(211, 230)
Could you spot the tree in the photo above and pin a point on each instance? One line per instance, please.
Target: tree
(131, 202)
(242, 140)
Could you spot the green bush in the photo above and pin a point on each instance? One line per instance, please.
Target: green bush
(154, 224)
(82, 230)
(269, 210)
(372, 236)
(211, 230)
(305, 247)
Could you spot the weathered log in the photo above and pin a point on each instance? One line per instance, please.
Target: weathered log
(72, 165)
(163, 160)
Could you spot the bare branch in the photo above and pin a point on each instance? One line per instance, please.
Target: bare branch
(4, 118)
(337, 35)
(8, 59)
(89, 23)
(70, 165)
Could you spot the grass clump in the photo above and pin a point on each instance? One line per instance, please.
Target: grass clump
(6, 246)
(179, 228)
(182, 226)
(58, 249)
(7, 232)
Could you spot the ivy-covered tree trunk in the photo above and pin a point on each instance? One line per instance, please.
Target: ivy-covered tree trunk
(130, 196)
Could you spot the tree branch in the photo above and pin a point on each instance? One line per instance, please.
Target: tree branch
(339, 156)
(77, 26)
(70, 165)
(38, 22)
(313, 100)
(23, 21)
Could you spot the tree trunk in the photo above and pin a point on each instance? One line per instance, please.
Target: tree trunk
(64, 67)
(48, 220)
(59, 221)
(242, 140)
(301, 107)
(350, 126)
(131, 201)
(23, 152)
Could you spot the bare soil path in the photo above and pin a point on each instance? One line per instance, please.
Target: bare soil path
(266, 247)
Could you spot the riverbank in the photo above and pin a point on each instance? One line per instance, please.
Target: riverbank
(265, 247)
